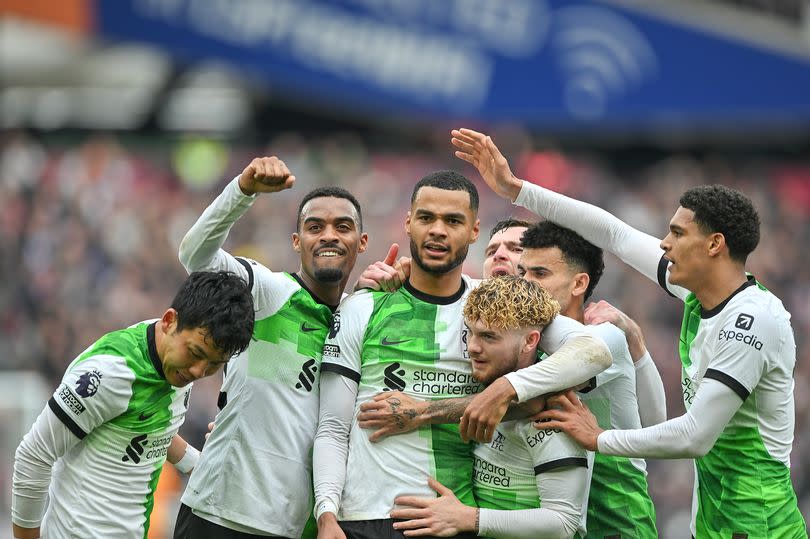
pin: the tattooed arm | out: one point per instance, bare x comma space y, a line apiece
394, 412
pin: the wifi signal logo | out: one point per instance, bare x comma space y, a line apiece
603, 56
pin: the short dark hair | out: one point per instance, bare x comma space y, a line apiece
219, 303
449, 180
727, 211
330, 191
576, 250
509, 222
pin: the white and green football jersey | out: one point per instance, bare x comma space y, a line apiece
743, 486
115, 398
619, 503
506, 469
415, 343
255, 472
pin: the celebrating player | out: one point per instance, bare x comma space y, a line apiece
255, 474
414, 340
103, 437
736, 347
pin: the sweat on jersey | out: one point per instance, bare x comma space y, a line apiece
743, 484
416, 343
116, 401
619, 503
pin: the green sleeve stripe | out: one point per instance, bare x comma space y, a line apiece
560, 463
727, 380
341, 370
64, 418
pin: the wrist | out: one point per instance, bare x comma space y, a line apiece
505, 391
189, 459
245, 187
327, 518
515, 185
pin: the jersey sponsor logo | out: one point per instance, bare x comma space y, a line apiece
392, 376
306, 378
490, 474
387, 342
331, 350
445, 383
744, 321
541, 436
689, 387
154, 449
143, 416
497, 442
749, 339
333, 330
307, 329
71, 401
88, 383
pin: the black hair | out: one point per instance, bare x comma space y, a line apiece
449, 180
331, 191
576, 250
727, 211
509, 222
219, 303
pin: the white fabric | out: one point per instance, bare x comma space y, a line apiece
188, 460
652, 401
46, 442
562, 491
682, 437
332, 441
635, 248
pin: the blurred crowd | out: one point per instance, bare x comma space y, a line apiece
89, 231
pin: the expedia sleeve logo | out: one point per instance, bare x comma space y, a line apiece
744, 321
333, 330
88, 383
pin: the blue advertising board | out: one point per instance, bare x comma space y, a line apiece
546, 63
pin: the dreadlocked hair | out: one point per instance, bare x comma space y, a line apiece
510, 302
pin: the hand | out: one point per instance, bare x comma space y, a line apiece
328, 527
24, 533
210, 430
486, 410
444, 516
386, 275
391, 412
479, 150
265, 175
602, 311
572, 417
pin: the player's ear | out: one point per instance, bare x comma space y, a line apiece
408, 224
476, 230
168, 321
296, 242
581, 282
363, 243
715, 243
531, 340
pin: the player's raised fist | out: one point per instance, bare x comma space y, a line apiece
265, 175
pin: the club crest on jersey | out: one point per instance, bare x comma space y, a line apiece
744, 321
88, 383
392, 377
464, 352
306, 378
335, 327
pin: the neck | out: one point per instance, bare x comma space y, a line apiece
575, 310
445, 284
718, 285
328, 293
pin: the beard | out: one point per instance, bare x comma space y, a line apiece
447, 267
328, 275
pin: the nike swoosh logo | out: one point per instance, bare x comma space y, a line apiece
306, 329
144, 417
386, 342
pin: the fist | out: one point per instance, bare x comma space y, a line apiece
265, 175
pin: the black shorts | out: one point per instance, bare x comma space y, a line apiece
381, 529
190, 526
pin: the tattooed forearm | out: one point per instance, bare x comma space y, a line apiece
447, 410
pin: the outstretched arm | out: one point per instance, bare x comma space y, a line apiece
635, 248
201, 246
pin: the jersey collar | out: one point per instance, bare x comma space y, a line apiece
708, 313
436, 300
152, 346
300, 281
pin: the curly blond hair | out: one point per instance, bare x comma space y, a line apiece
510, 302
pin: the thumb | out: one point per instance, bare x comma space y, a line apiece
392, 255
438, 487
404, 268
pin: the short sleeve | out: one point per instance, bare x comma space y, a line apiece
344, 343
552, 449
93, 391
748, 335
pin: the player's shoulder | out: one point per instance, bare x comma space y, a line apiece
614, 338
755, 306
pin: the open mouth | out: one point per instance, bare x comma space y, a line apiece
435, 249
328, 253
500, 271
